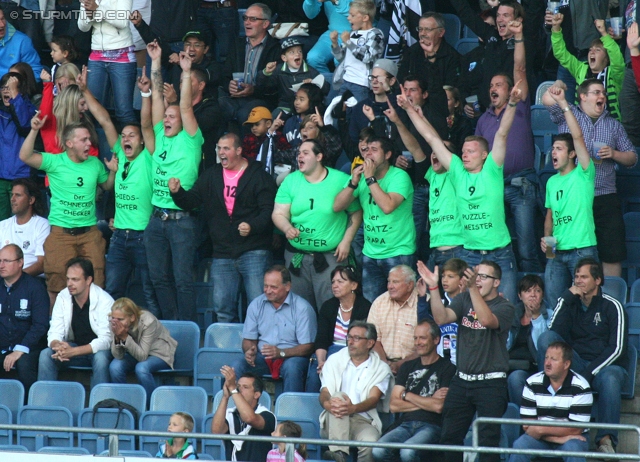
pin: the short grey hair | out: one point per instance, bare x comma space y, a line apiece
266, 11
407, 272
436, 16
371, 334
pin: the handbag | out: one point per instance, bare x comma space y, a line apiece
282, 30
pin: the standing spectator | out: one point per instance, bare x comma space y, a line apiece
458, 126
16, 47
218, 21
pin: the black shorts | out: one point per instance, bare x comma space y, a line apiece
607, 215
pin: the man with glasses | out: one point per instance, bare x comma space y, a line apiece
484, 318
354, 381
24, 318
253, 53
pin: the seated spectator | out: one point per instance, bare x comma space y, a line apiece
278, 333
140, 343
24, 318
570, 401
263, 127
178, 448
605, 61
395, 313
595, 325
419, 393
27, 228
291, 430
334, 319
308, 101
359, 49
29, 85
458, 126
337, 13
16, 47
355, 384
529, 323
246, 417
79, 334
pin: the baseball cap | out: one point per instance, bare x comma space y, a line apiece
257, 114
197, 35
290, 42
387, 65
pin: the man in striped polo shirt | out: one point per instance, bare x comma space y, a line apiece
555, 394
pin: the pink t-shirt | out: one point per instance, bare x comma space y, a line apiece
231, 178
276, 456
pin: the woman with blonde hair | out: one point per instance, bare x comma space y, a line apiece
140, 342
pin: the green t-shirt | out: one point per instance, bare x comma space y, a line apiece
133, 193
481, 204
570, 198
73, 189
321, 229
444, 219
175, 157
389, 235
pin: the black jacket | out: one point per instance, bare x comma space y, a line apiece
255, 195
327, 319
445, 70
171, 19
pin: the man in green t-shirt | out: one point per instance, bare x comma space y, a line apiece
479, 184
569, 203
170, 237
386, 197
73, 178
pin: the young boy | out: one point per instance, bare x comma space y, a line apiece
605, 62
359, 50
178, 448
264, 137
285, 78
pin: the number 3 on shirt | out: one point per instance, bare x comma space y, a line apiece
80, 181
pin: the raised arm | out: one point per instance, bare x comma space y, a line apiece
32, 159
157, 103
441, 314
97, 110
186, 105
410, 141
144, 84
519, 57
574, 127
499, 150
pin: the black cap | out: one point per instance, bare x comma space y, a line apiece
196, 34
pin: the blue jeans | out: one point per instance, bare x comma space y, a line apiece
527, 442
360, 93
220, 26
515, 383
505, 259
313, 378
48, 367
522, 203
440, 257
413, 432
171, 247
120, 78
292, 372
607, 383
558, 275
569, 81
144, 370
227, 274
376, 271
126, 253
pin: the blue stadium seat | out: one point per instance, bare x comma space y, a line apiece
130, 393
12, 396
633, 319
628, 390
265, 400
542, 88
207, 367
465, 45
154, 421
241, 12
54, 416
205, 456
468, 33
6, 417
224, 335
13, 448
615, 287
105, 418
129, 453
634, 297
59, 450
213, 448
66, 394
187, 334
304, 409
632, 230
542, 126
186, 399
453, 29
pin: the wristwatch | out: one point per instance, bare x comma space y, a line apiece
404, 395
352, 186
234, 391
282, 354
371, 180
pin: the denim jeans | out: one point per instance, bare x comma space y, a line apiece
293, 370
569, 81
375, 273
522, 203
126, 253
313, 378
515, 383
171, 247
121, 78
440, 257
413, 432
220, 26
227, 274
360, 93
558, 275
607, 383
48, 367
528, 442
144, 370
505, 259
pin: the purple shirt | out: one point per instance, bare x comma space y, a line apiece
520, 151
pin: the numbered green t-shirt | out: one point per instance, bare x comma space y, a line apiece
73, 189
570, 198
133, 189
389, 235
321, 229
481, 204
175, 157
445, 228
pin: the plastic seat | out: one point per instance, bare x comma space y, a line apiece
632, 231
70, 395
207, 367
628, 390
129, 453
213, 448
542, 126
54, 416
634, 297
615, 287
465, 45
304, 409
12, 396
452, 28
58, 450
153, 421
187, 334
6, 417
468, 33
13, 448
129, 393
633, 320
265, 400
105, 418
224, 335
186, 399
542, 88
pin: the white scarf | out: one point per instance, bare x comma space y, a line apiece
237, 444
